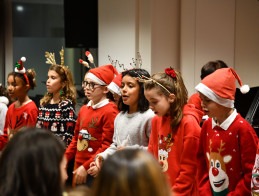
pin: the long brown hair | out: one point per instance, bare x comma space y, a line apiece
176, 86
131, 172
69, 91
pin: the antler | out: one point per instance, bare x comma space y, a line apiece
220, 149
50, 58
62, 56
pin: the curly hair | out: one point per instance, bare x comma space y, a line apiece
176, 86
30, 73
69, 91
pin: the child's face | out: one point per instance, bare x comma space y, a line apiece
159, 103
94, 91
54, 83
16, 87
130, 91
213, 109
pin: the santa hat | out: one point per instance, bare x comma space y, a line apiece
115, 85
19, 66
102, 75
220, 86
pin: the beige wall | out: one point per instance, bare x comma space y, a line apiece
184, 34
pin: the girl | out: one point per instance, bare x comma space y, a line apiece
131, 172
33, 163
23, 112
175, 130
132, 126
57, 111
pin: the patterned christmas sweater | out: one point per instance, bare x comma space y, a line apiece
93, 132
16, 118
60, 119
226, 157
255, 175
177, 152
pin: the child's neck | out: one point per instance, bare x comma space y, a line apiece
96, 101
224, 115
55, 99
133, 109
21, 101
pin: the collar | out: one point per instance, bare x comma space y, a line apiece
225, 125
98, 105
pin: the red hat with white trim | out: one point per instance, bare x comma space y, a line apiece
102, 75
19, 66
220, 86
115, 85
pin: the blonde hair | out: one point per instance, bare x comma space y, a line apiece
131, 172
69, 91
174, 85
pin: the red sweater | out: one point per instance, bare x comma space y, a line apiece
226, 158
196, 100
93, 133
17, 118
177, 152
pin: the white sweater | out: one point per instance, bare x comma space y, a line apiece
3, 109
130, 130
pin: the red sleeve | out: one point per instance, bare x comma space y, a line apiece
32, 117
153, 139
203, 171
107, 135
247, 154
185, 182
72, 148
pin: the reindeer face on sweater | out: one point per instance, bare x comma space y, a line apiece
83, 138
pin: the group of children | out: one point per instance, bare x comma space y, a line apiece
152, 114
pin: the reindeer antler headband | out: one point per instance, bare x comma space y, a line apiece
51, 58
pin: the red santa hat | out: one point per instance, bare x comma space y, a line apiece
115, 85
102, 75
19, 66
220, 86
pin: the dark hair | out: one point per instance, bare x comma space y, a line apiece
30, 164
175, 86
131, 172
143, 104
212, 66
30, 73
4, 92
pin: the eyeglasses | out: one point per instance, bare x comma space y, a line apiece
91, 85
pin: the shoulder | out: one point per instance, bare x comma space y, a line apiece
66, 103
148, 113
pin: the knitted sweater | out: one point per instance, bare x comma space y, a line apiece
93, 132
255, 175
17, 118
226, 157
177, 152
130, 130
3, 110
60, 119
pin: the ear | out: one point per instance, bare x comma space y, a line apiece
105, 90
27, 87
171, 98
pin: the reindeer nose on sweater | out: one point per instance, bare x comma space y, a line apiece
215, 171
80, 137
161, 163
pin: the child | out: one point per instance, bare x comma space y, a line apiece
132, 126
175, 130
24, 111
95, 122
4, 102
57, 111
206, 70
33, 163
131, 172
228, 143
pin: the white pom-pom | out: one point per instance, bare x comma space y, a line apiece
23, 59
244, 89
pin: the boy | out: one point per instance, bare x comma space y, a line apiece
95, 123
228, 143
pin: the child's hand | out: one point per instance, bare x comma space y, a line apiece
94, 170
121, 147
99, 162
80, 175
